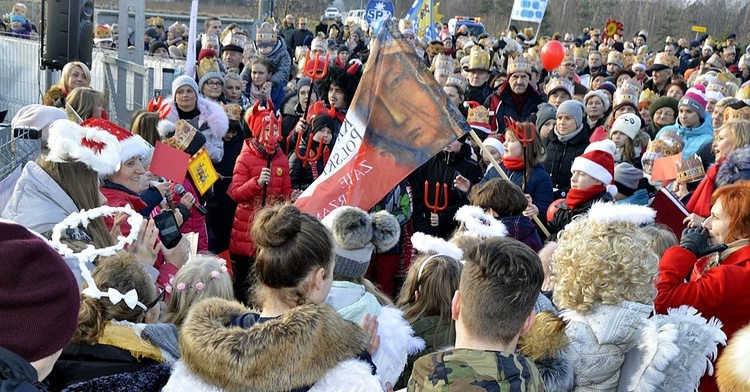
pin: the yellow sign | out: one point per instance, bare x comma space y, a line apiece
699, 29
202, 171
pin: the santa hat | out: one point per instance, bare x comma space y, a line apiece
130, 145
615, 214
96, 148
598, 161
492, 141
695, 99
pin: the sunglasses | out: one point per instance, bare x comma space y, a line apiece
158, 299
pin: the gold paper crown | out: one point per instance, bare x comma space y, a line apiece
406, 26
557, 83
615, 57
266, 35
690, 170
155, 21
519, 64
628, 60
580, 52
628, 91
233, 111
443, 64
234, 39
528, 32
664, 58
479, 59
319, 43
207, 65
743, 92
205, 38
478, 114
737, 111
647, 96
716, 61
604, 50
461, 41
457, 81
640, 59
102, 32
183, 135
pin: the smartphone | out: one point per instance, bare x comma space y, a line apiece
168, 231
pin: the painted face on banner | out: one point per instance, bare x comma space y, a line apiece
403, 121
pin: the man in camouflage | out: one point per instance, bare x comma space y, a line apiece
487, 329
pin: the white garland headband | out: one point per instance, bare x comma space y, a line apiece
115, 296
82, 218
476, 222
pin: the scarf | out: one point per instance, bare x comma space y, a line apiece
700, 202
577, 197
255, 94
519, 100
122, 335
513, 163
565, 138
260, 149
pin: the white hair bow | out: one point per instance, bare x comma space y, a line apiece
115, 296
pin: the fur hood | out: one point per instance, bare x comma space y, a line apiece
545, 344
733, 368
736, 167
53, 95
297, 349
212, 115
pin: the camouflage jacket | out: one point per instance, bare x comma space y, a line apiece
475, 370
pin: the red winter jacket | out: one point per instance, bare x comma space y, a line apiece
197, 221
720, 292
248, 195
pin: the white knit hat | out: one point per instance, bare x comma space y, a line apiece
600, 94
492, 141
598, 161
628, 123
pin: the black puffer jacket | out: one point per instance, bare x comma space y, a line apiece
302, 174
17, 375
443, 168
565, 215
559, 159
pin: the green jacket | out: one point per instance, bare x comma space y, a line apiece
469, 370
436, 336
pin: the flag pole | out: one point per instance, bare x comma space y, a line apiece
505, 176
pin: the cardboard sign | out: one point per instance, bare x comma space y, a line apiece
169, 163
665, 169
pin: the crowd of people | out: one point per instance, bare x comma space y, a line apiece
543, 269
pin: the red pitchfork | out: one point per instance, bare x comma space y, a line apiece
269, 138
309, 157
524, 133
157, 105
436, 206
314, 70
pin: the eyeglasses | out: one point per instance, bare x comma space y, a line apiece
663, 113
214, 83
569, 65
158, 299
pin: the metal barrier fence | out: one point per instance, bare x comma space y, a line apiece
23, 83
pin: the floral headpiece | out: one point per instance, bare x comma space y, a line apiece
199, 285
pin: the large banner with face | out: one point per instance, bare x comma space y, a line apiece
399, 118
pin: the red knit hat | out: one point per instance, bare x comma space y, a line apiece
598, 161
130, 145
39, 298
206, 53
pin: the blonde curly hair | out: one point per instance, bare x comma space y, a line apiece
605, 263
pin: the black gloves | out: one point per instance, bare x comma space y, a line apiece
696, 241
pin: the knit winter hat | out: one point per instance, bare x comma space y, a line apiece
151, 32
492, 141
598, 161
609, 86
321, 121
627, 123
356, 234
38, 117
627, 178
130, 145
40, 297
574, 109
695, 99
184, 80
663, 102
597, 93
156, 45
257, 117
545, 113
70, 142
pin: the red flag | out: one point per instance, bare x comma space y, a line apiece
399, 118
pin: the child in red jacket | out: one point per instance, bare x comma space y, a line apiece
260, 178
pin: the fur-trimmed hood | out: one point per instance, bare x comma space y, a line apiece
735, 168
545, 344
212, 114
297, 349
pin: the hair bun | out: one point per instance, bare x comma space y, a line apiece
275, 226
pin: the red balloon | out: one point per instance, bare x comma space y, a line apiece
552, 55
